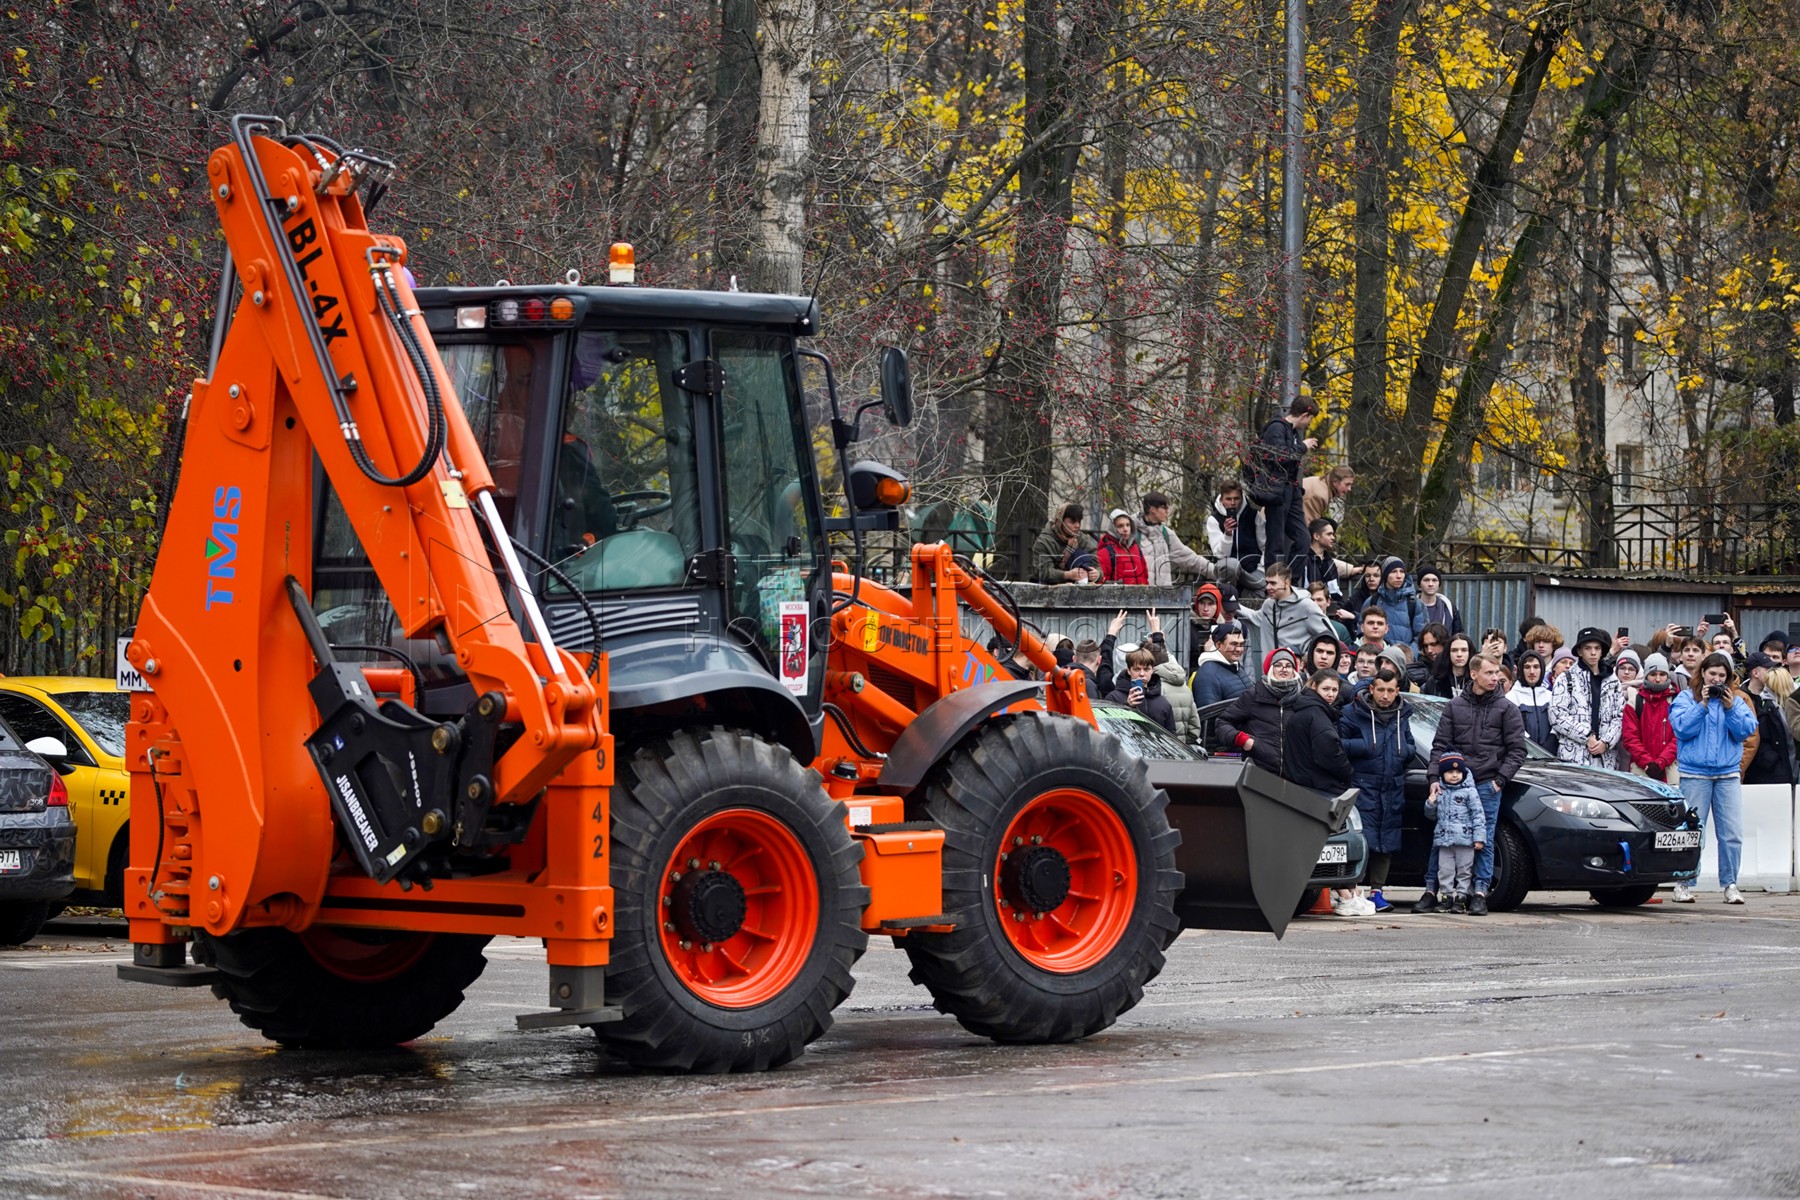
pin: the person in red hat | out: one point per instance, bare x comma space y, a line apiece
1284, 728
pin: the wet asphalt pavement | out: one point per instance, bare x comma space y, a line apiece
1557, 1051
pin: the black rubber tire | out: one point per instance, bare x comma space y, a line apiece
20, 920
1308, 898
118, 859
973, 972
1623, 897
279, 989
1513, 874
663, 790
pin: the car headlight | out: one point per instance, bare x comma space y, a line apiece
1581, 806
1355, 820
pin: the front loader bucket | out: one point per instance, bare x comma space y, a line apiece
1249, 841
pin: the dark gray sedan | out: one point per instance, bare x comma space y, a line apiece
37, 840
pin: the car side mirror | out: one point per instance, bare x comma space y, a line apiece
896, 387
52, 751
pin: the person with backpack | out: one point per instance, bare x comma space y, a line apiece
1649, 739
1231, 528
1121, 557
1272, 474
1588, 708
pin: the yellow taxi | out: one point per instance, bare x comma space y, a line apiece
87, 716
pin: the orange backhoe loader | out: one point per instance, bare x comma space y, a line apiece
551, 564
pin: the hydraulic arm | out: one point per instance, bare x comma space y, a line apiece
327, 359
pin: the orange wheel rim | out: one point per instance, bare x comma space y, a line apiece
1066, 880
739, 908
373, 957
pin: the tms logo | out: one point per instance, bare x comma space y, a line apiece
221, 546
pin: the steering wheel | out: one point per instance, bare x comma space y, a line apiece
626, 504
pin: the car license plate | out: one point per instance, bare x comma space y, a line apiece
1678, 839
1335, 853
11, 860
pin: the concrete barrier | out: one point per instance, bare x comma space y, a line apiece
1769, 842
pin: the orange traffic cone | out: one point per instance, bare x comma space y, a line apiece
1322, 906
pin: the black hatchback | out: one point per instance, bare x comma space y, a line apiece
1562, 827
37, 840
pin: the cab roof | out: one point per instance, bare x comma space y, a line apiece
52, 685
795, 315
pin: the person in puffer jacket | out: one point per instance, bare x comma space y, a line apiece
1588, 708
1532, 694
1649, 738
1712, 722
1396, 596
1377, 736
1121, 558
1461, 827
1221, 674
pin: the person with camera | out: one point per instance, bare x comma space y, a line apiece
1713, 721
1142, 688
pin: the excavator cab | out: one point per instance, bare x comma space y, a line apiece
653, 447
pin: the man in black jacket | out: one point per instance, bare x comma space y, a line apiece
1284, 728
1488, 730
1142, 690
1273, 473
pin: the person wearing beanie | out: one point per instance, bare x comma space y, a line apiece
1221, 674
1531, 693
1649, 741
1433, 603
1587, 709
1629, 671
1121, 558
1461, 831
1773, 761
1397, 599
1284, 728
1560, 663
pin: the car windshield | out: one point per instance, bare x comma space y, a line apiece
1428, 710
1142, 736
102, 715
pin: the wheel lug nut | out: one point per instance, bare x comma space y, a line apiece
713, 865
693, 864
1018, 841
706, 947
1036, 840
668, 901
675, 877
1003, 856
1037, 916
668, 927
686, 945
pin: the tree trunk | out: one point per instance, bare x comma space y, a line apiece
731, 135
1438, 346
1372, 450
783, 144
1610, 94
1020, 403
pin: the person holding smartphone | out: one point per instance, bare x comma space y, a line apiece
1713, 722
1142, 689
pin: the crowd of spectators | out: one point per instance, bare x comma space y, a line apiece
1341, 645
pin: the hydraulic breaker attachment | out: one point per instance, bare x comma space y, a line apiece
390, 771
1249, 841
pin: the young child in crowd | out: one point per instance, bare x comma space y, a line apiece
1461, 829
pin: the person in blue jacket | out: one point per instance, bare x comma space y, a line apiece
1221, 675
1378, 741
1712, 720
1397, 597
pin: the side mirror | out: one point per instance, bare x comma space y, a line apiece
896, 387
48, 747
